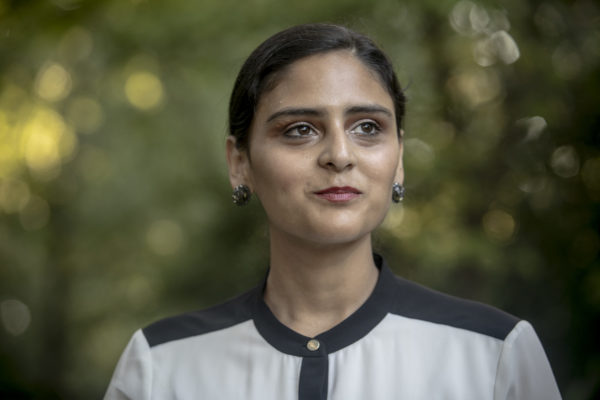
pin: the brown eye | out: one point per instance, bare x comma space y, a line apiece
303, 130
300, 131
367, 129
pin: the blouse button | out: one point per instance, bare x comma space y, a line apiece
313, 345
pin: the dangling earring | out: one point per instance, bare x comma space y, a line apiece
241, 195
398, 192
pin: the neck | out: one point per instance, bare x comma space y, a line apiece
312, 288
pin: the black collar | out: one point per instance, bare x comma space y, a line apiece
350, 330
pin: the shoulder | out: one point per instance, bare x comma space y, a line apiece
522, 362
418, 302
200, 322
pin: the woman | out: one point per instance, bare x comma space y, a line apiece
315, 124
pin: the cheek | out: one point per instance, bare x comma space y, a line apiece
273, 177
382, 166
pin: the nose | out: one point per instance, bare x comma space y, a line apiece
338, 152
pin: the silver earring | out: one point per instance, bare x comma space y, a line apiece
241, 195
398, 192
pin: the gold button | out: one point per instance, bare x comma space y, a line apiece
313, 345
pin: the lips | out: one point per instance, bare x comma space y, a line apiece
337, 194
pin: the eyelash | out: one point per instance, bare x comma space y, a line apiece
376, 128
293, 131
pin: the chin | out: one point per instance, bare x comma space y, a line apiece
323, 229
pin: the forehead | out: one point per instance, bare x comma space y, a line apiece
330, 79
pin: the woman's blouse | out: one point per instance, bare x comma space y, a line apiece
404, 342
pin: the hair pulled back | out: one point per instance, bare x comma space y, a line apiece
259, 72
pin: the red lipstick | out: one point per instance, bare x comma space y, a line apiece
337, 194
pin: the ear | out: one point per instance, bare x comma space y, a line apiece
400, 170
238, 164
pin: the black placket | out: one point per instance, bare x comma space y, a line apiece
314, 371
314, 376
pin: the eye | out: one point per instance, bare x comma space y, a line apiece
300, 131
366, 128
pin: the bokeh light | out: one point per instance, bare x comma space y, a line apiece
534, 127
46, 141
15, 315
499, 225
475, 87
53, 82
499, 46
565, 161
144, 90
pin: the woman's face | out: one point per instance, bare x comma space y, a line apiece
323, 151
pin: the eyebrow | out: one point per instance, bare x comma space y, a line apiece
313, 112
368, 109
296, 112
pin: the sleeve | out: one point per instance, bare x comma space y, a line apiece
524, 372
132, 379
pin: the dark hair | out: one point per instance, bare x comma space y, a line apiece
282, 49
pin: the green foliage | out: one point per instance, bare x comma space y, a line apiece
115, 205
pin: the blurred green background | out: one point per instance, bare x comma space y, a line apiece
115, 205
